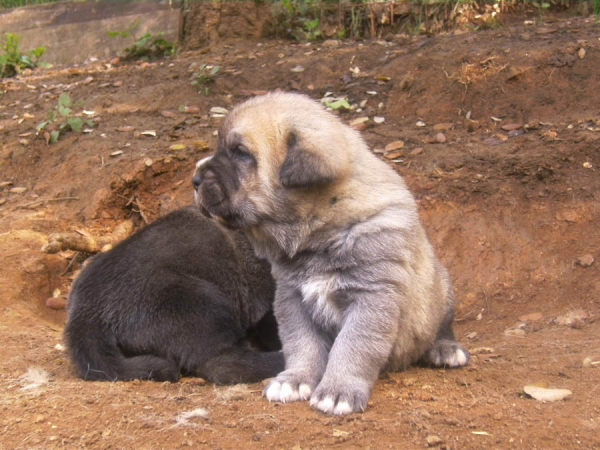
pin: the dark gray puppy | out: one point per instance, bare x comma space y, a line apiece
182, 296
359, 288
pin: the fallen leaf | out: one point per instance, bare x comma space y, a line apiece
169, 114
218, 110
177, 147
340, 433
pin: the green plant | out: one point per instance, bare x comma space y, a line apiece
312, 29
147, 47
205, 75
12, 61
61, 119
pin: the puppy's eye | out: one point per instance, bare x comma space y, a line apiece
241, 153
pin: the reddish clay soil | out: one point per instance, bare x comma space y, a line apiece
510, 198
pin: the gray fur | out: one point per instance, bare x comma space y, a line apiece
359, 288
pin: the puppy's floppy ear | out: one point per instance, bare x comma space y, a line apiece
304, 167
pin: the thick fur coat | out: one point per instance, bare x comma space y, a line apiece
182, 296
359, 288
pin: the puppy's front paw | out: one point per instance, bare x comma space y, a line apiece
288, 388
447, 353
344, 398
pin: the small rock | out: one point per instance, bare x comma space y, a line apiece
297, 69
492, 141
533, 125
331, 43
587, 165
545, 394
512, 126
471, 125
18, 190
581, 53
396, 145
420, 123
433, 440
472, 335
88, 80
416, 151
39, 418
118, 84
56, 303
443, 126
517, 332
533, 317
125, 129
585, 260
394, 154
378, 119
441, 138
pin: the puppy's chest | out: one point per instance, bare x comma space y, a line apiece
321, 294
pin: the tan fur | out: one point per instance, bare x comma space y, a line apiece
348, 252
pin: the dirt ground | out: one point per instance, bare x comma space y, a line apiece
501, 146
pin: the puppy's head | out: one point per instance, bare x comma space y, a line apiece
271, 149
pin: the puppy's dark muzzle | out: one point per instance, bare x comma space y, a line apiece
196, 182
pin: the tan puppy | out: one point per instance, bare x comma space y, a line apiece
359, 289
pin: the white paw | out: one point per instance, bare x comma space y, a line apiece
458, 359
328, 406
286, 393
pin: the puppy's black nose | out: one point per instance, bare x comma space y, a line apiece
196, 182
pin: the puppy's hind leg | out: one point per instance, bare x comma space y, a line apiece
446, 351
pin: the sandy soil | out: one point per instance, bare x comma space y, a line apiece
501, 133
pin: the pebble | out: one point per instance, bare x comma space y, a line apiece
331, 43
518, 332
396, 145
56, 303
585, 260
433, 440
416, 151
581, 53
471, 125
545, 394
420, 123
18, 190
512, 126
378, 119
441, 138
443, 126
533, 317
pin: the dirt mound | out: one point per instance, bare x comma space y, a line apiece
499, 131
